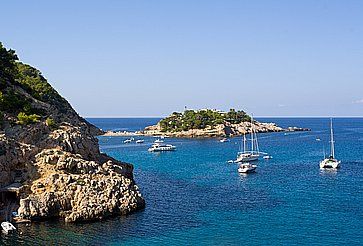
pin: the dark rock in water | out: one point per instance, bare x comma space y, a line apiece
56, 153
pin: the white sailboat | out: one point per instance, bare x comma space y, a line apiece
330, 162
254, 153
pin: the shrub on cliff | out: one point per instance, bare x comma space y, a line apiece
24, 119
11, 101
50, 123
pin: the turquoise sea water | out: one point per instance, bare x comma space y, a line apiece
194, 197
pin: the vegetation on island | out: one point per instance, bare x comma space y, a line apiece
201, 119
14, 74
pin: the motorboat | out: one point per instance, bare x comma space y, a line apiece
267, 157
159, 141
223, 140
7, 226
129, 140
157, 147
140, 141
246, 168
330, 162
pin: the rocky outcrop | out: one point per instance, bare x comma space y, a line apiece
79, 190
221, 130
55, 157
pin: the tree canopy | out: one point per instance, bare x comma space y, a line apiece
15, 78
200, 119
7, 65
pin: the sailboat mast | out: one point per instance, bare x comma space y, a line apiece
252, 144
257, 148
244, 142
331, 138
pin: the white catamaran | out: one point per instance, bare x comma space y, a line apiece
330, 162
254, 153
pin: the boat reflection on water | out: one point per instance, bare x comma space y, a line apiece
328, 172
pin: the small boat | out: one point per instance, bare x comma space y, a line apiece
157, 147
159, 141
230, 161
330, 162
128, 140
267, 157
7, 226
140, 141
318, 139
223, 140
247, 168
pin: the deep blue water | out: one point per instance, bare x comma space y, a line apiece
195, 197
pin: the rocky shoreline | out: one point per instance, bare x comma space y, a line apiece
50, 162
222, 130
61, 174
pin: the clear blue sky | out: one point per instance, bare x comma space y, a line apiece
149, 58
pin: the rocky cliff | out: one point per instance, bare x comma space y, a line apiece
52, 154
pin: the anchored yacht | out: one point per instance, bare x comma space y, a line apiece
254, 153
157, 147
247, 168
330, 162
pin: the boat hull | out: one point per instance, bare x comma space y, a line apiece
247, 157
330, 163
249, 169
161, 149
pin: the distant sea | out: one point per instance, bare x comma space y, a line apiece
194, 197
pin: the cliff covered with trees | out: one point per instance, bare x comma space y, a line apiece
51, 155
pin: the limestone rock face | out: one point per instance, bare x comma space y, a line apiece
66, 176
58, 165
79, 190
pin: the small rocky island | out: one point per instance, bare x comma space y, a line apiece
210, 123
50, 162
